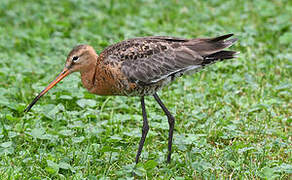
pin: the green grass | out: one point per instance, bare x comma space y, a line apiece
233, 120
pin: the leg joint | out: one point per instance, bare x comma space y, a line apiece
145, 128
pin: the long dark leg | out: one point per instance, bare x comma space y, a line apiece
170, 122
145, 129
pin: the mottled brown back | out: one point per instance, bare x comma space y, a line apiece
148, 60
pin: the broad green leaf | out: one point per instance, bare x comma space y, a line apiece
6, 144
286, 38
78, 139
66, 132
52, 167
86, 102
38, 133
150, 164
64, 165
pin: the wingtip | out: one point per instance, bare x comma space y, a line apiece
235, 55
220, 38
230, 41
229, 35
233, 40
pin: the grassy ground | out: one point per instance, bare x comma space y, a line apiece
233, 120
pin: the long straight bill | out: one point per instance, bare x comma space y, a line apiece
63, 74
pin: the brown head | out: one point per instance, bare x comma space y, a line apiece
81, 58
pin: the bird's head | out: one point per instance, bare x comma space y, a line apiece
81, 58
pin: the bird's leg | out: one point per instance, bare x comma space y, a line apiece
145, 129
171, 121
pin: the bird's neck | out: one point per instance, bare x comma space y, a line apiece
97, 80
88, 74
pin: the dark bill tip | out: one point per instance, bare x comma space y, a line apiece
32, 103
63, 74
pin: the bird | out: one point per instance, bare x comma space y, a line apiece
141, 67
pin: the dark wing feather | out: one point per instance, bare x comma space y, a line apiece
168, 38
160, 63
150, 59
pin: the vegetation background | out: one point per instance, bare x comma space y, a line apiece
233, 120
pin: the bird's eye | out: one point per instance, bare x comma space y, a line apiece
75, 58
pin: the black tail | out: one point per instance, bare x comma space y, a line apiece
210, 46
220, 38
219, 56
218, 44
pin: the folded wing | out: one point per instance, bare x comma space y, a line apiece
151, 59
